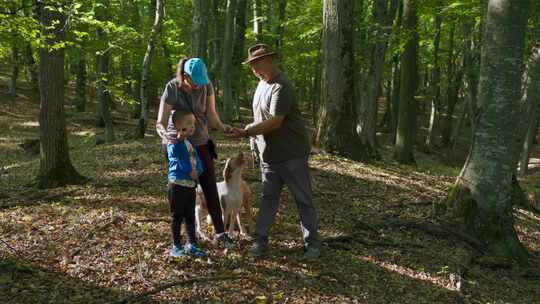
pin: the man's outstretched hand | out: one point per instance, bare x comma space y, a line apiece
237, 133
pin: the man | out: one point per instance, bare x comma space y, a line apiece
282, 142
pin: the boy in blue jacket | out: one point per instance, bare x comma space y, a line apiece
184, 170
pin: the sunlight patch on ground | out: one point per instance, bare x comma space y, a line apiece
29, 124
445, 283
84, 133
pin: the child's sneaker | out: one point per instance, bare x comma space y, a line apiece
194, 249
177, 251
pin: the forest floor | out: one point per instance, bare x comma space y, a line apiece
107, 241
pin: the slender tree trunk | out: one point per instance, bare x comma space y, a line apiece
55, 168
280, 28
470, 67
485, 213
199, 28
257, 29
532, 101
396, 72
451, 88
238, 55
215, 50
80, 86
406, 130
33, 76
434, 117
367, 118
226, 71
337, 116
103, 93
103, 76
145, 79
14, 72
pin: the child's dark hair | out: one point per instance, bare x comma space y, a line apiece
179, 115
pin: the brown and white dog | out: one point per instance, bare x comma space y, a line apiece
234, 194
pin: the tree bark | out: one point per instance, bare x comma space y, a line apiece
226, 69
485, 213
103, 60
199, 28
215, 50
532, 100
238, 55
257, 29
80, 86
434, 117
55, 168
280, 27
14, 72
367, 119
406, 129
337, 117
33, 72
145, 78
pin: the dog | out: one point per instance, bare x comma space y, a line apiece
234, 194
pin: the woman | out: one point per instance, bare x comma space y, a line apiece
191, 90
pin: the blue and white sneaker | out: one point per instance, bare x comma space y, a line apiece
177, 251
194, 249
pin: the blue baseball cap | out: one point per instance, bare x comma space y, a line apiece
196, 69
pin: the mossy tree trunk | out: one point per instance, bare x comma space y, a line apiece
481, 199
55, 168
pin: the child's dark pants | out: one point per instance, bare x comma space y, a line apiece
182, 205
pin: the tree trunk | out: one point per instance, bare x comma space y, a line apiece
238, 55
434, 117
532, 102
280, 28
450, 90
145, 78
103, 93
257, 29
406, 129
367, 119
337, 117
470, 67
103, 60
33, 73
199, 28
215, 50
485, 213
14, 72
80, 86
55, 168
226, 70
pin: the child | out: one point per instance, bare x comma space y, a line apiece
184, 170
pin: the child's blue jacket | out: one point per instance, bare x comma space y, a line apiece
179, 162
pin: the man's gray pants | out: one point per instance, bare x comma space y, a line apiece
295, 174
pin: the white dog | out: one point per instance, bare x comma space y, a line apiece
234, 193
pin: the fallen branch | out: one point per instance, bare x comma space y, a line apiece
138, 297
